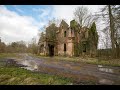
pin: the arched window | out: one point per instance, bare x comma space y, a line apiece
64, 47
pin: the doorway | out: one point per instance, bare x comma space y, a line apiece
51, 50
84, 47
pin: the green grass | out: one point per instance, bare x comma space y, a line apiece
19, 76
113, 62
6, 55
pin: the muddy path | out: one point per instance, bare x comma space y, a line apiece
80, 72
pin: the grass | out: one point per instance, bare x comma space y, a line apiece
6, 55
96, 61
20, 76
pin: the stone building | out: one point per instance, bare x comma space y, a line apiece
67, 40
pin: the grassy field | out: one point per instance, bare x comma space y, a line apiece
20, 76
7, 55
114, 62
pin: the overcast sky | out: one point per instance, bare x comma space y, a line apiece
23, 22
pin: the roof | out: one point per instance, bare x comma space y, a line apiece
64, 23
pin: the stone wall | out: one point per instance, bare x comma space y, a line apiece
74, 41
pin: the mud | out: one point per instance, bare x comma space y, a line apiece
80, 72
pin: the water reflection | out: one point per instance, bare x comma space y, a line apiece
106, 82
100, 65
29, 65
104, 69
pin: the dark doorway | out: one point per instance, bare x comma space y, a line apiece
65, 34
84, 47
51, 50
64, 47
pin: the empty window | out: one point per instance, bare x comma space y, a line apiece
64, 47
71, 31
64, 33
84, 47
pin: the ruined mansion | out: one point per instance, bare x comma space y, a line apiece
68, 40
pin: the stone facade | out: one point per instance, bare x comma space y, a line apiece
68, 41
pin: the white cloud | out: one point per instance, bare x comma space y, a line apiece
63, 12
66, 11
14, 27
43, 15
43, 12
19, 10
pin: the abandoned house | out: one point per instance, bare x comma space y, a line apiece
68, 40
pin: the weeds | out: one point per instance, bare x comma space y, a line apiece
114, 62
19, 76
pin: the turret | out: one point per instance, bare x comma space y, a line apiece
73, 24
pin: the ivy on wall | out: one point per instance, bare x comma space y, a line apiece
90, 42
93, 39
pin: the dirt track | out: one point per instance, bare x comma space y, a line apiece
80, 72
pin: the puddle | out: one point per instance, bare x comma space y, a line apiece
100, 65
105, 69
25, 62
29, 65
28, 68
106, 82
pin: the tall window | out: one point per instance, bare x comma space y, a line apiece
64, 47
84, 47
64, 33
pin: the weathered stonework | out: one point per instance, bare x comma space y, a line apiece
68, 41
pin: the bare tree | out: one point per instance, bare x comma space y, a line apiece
84, 17
111, 16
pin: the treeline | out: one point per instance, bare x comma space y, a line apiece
19, 47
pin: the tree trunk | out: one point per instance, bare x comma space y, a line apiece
112, 30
